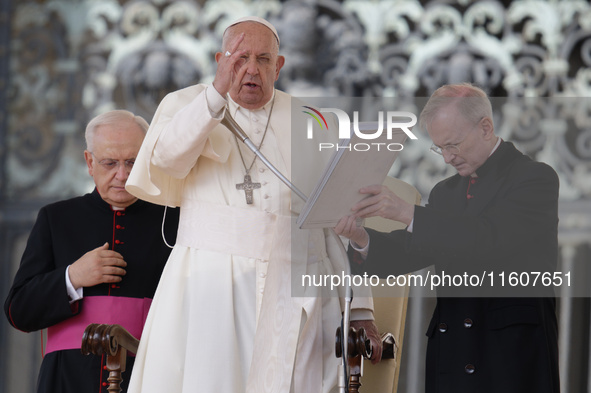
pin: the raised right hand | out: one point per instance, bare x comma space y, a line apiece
228, 66
98, 266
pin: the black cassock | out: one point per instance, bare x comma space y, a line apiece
65, 231
481, 339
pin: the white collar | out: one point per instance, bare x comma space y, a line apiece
234, 107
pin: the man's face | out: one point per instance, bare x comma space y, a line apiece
258, 69
465, 144
114, 152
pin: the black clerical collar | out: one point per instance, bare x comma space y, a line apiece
492, 160
96, 196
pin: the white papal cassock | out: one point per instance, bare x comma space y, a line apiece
223, 318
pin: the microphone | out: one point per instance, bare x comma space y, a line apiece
231, 125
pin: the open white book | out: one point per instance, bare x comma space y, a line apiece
357, 163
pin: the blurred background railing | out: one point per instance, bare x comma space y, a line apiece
64, 61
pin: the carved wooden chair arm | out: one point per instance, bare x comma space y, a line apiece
360, 346
113, 341
105, 339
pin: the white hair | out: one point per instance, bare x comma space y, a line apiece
471, 102
112, 117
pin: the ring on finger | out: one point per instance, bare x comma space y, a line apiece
227, 54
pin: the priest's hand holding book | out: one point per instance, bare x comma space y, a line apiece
380, 202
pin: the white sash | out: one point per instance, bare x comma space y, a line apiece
227, 229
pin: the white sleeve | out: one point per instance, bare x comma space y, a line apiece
363, 251
409, 228
74, 294
215, 101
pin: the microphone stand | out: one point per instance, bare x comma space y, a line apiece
231, 124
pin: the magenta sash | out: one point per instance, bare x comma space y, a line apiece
128, 312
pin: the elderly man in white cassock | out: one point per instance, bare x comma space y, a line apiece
223, 318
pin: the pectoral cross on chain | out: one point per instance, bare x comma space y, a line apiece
248, 186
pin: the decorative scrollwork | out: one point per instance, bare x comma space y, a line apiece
130, 54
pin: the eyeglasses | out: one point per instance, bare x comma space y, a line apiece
451, 149
110, 164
